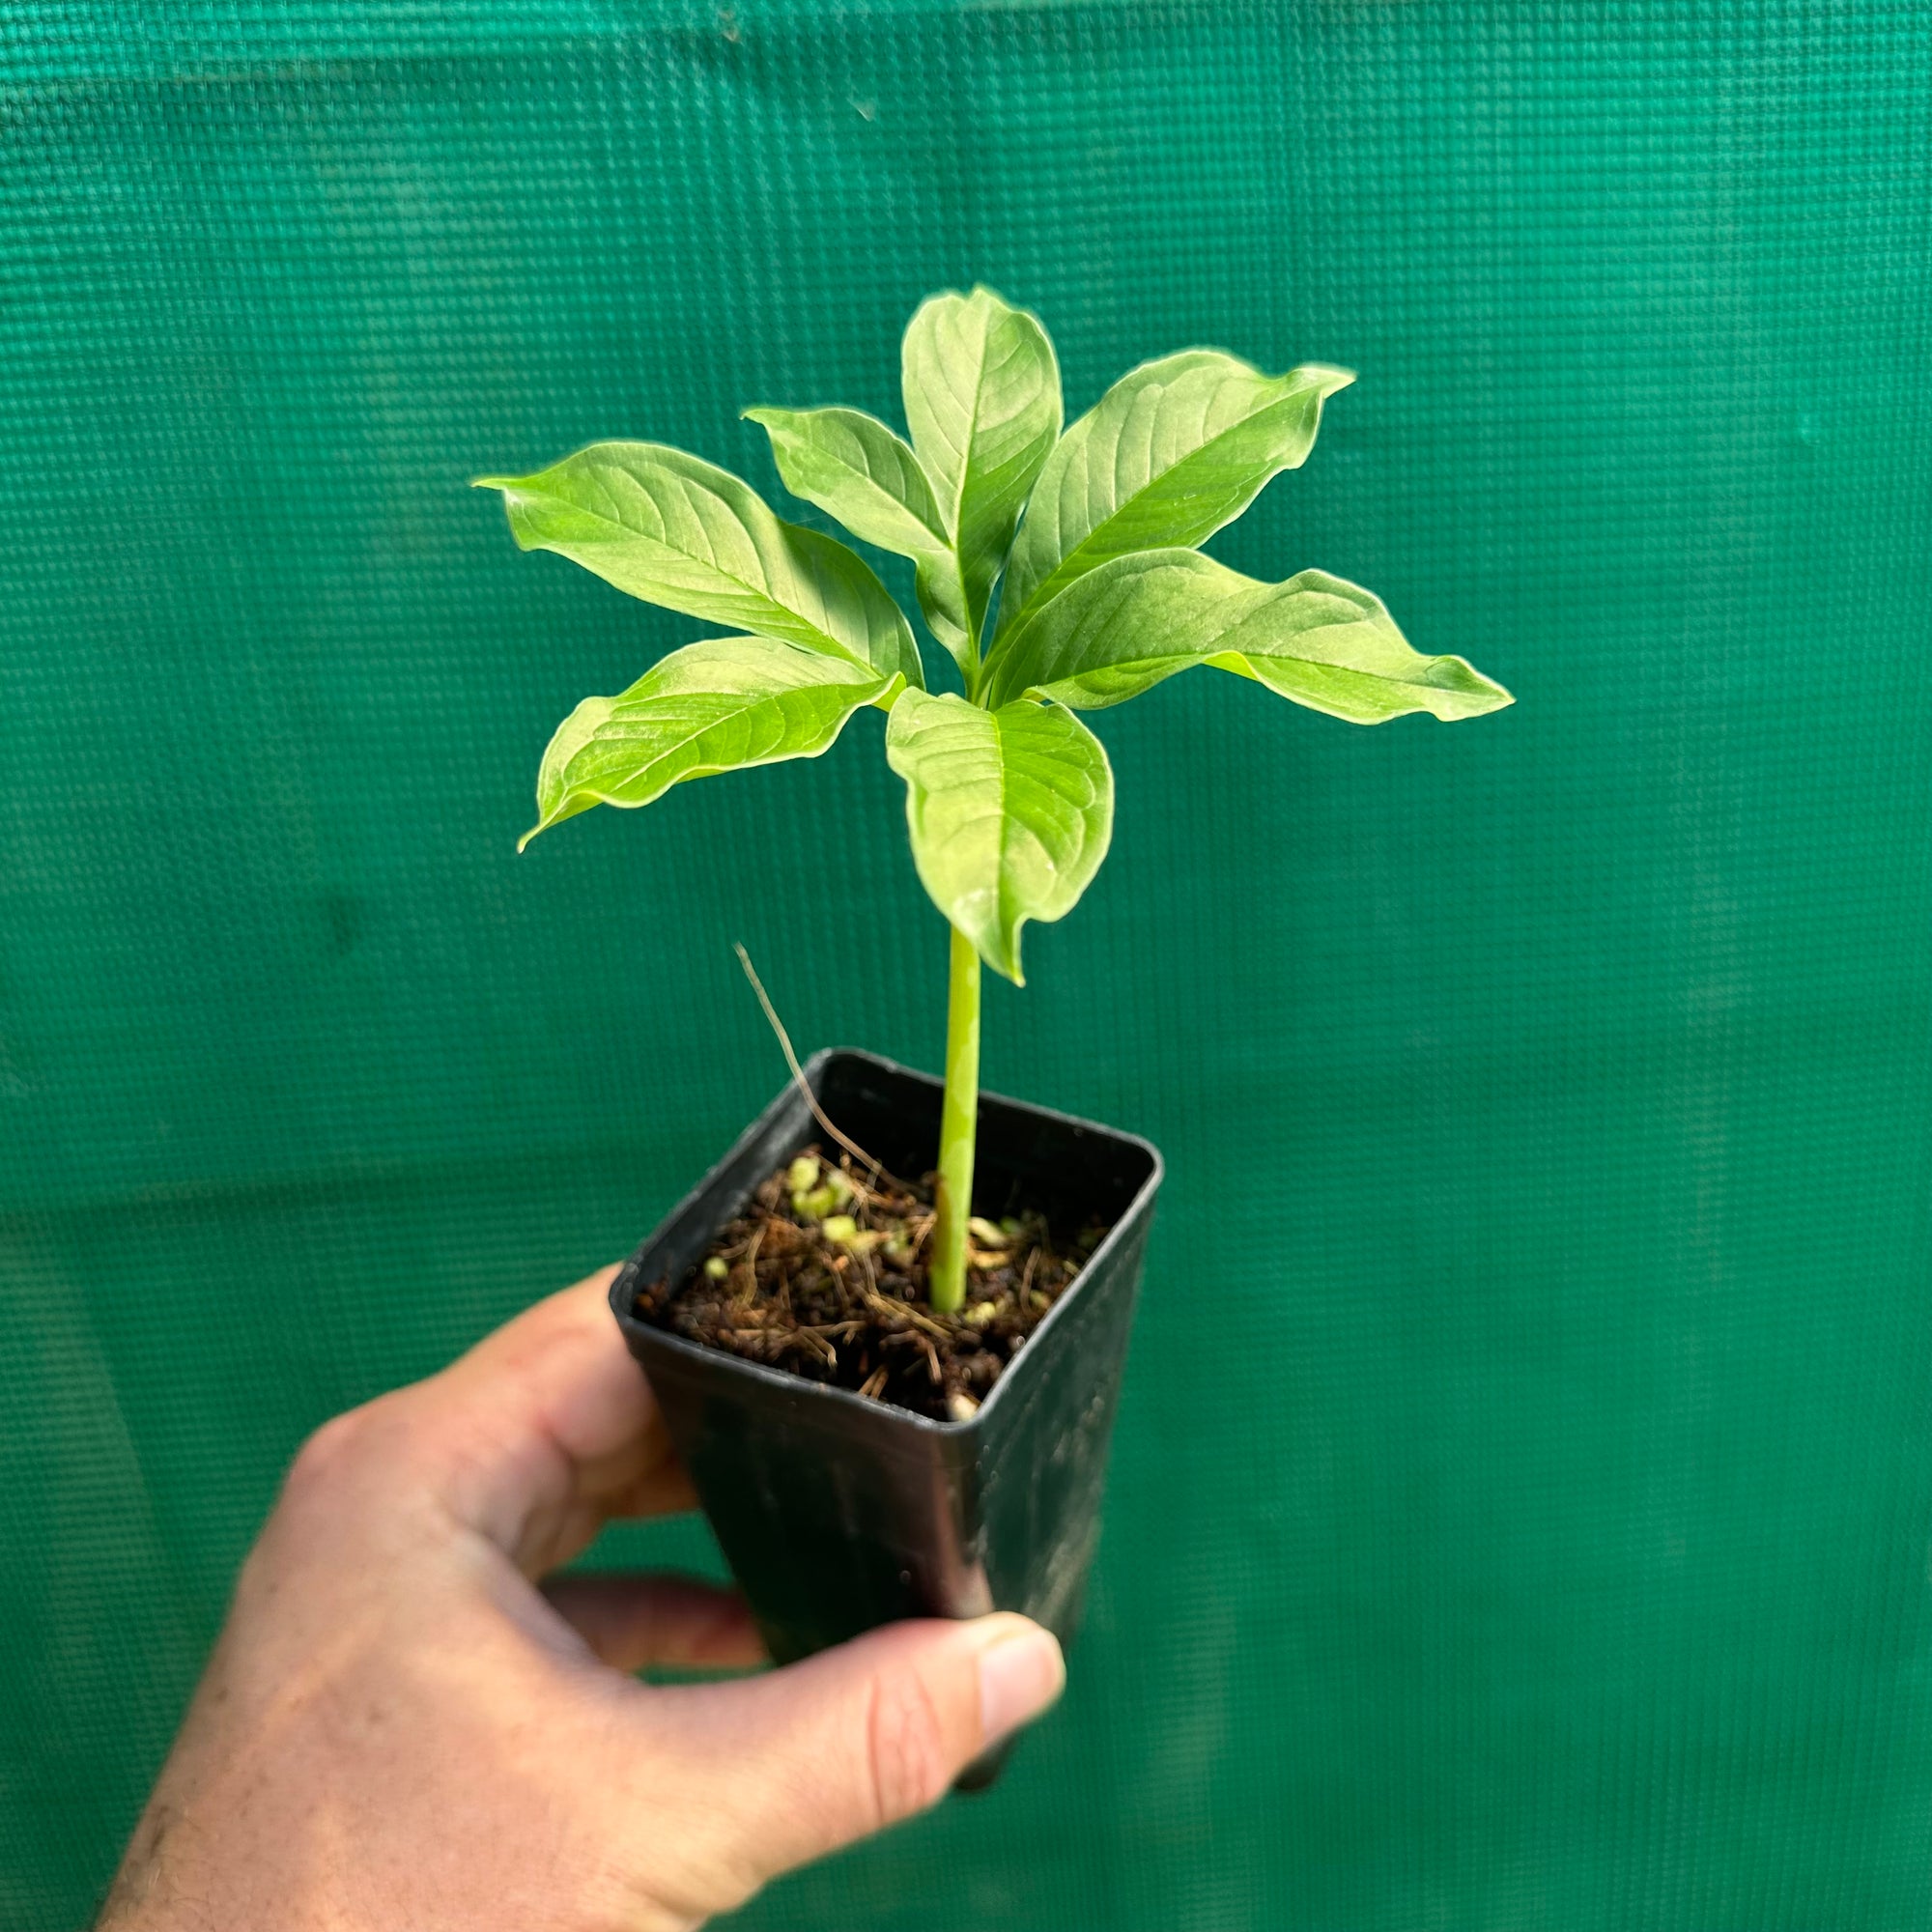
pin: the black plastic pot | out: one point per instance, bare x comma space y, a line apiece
838, 1512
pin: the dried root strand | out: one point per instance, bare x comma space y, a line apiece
825, 1279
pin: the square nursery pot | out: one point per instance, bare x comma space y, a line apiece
838, 1512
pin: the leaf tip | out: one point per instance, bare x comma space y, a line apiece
555, 815
1480, 695
1001, 951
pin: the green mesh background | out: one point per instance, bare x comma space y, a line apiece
1522, 1508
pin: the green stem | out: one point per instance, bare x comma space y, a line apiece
958, 1126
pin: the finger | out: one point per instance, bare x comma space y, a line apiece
630, 1622
801, 1761
546, 1429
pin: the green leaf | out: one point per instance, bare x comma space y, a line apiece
1322, 642
982, 401
1171, 453
853, 467
715, 706
1011, 812
678, 531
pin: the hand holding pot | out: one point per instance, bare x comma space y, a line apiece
398, 1727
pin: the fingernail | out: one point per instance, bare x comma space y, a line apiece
1020, 1674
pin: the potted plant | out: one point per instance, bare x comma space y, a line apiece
886, 1330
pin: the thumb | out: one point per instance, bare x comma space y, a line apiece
809, 1758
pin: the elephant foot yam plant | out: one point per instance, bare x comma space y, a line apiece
1062, 571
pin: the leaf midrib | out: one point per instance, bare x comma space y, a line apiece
678, 745
871, 482
966, 453
763, 594
1044, 592
1008, 935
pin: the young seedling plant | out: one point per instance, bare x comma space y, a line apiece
1062, 572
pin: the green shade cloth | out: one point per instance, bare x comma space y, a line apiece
1520, 1517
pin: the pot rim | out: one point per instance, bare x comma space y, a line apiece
622, 1291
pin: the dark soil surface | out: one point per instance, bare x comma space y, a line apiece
825, 1275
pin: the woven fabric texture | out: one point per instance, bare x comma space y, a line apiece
1519, 1516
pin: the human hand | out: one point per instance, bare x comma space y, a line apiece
399, 1728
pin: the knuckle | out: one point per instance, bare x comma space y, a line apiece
906, 1745
349, 1504
319, 1462
345, 1460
